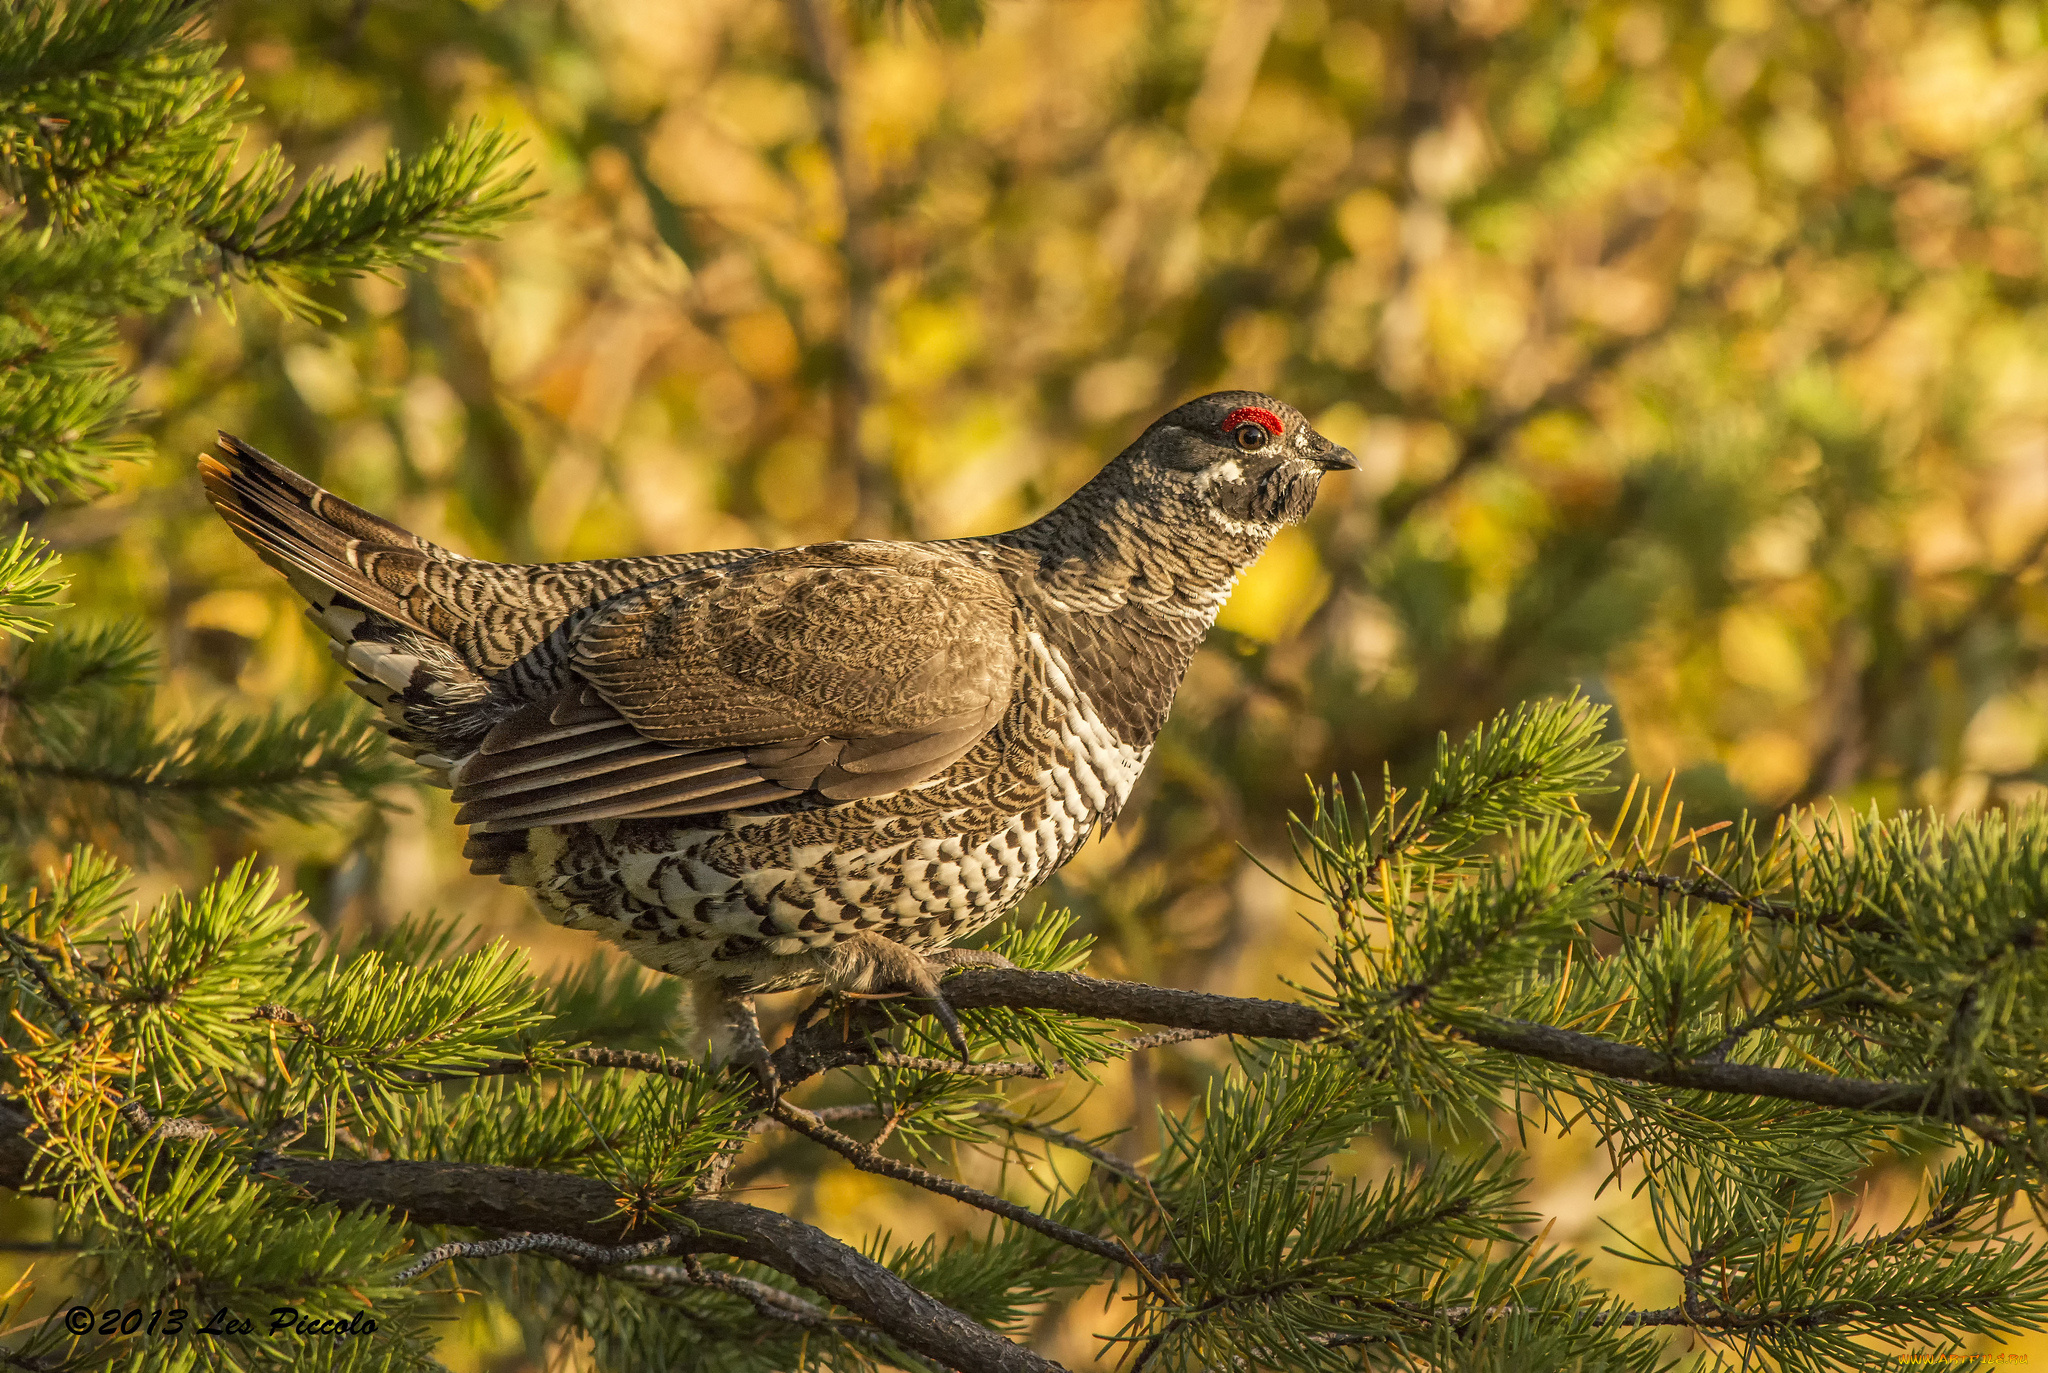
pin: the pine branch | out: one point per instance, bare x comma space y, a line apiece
163, 1127
842, 1040
1690, 1316
29, 585
772, 1303
598, 1057
1066, 1139
120, 153
552, 1056
42, 43
1526, 765
1711, 890
112, 769
77, 667
561, 1246
512, 1200
869, 1160
769, 1303
140, 264
994, 1070
821, 1046
580, 1211
999, 1069
61, 420
1607, 1058
1091, 997
998, 1115
25, 954
408, 213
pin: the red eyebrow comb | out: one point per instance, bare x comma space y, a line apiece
1266, 419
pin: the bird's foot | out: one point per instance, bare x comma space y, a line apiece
878, 966
735, 1035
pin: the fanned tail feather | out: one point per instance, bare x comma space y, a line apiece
364, 580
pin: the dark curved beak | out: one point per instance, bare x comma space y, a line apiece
1335, 459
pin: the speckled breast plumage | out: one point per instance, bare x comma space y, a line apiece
760, 896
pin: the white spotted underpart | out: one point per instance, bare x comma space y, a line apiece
776, 923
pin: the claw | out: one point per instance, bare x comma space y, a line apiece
770, 1080
737, 1036
947, 960
881, 965
951, 1022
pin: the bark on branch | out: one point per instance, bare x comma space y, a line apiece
514, 1200
1606, 1058
840, 1039
837, 1041
517, 1200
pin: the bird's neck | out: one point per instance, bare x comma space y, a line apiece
1105, 551
1121, 598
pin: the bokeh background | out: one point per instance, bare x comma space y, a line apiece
1696, 356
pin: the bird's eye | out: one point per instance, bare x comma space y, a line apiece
1252, 436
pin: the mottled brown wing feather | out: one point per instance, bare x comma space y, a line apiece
845, 670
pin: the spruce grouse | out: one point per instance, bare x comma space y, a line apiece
762, 769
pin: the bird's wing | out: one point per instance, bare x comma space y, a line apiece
843, 670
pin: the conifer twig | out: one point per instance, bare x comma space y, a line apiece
595, 1056
560, 1246
870, 1161
989, 1110
1766, 1018
284, 1015
865, 1110
1066, 1139
994, 1068
1257, 1018
20, 948
163, 1127
1712, 890
1193, 1014
838, 1042
1609, 1058
821, 1047
586, 1055
1160, 1038
523, 1200
770, 1303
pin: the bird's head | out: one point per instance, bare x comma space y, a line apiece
1236, 460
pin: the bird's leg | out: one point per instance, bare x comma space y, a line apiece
725, 1017
866, 962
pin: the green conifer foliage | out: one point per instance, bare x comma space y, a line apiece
233, 1110
1746, 1020
118, 160
122, 191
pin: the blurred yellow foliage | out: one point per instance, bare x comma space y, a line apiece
1281, 591
1693, 354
